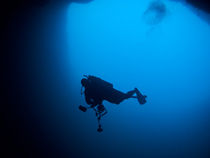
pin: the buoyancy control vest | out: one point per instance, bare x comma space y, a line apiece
98, 82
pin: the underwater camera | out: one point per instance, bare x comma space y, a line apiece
99, 129
82, 108
100, 111
100, 108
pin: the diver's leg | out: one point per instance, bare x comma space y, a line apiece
130, 94
116, 97
127, 95
133, 97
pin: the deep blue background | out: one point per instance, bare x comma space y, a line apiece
50, 48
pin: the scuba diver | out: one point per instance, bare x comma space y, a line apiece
98, 90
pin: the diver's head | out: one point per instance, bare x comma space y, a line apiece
84, 82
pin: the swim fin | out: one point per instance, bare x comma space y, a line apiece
140, 97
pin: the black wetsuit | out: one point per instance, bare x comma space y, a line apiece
95, 95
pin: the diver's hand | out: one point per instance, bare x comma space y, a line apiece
93, 105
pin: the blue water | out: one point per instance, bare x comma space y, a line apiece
161, 49
168, 60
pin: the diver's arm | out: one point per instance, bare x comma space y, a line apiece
90, 101
105, 112
93, 105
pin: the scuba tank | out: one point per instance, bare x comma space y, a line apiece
98, 82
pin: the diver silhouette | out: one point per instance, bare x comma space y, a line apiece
98, 90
